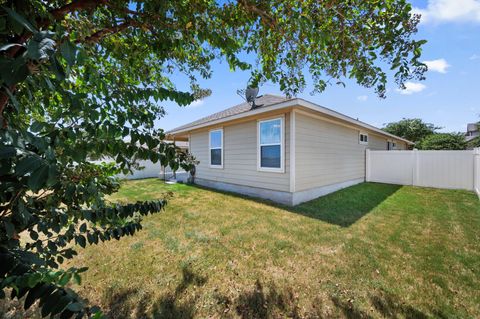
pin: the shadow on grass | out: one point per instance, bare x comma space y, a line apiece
261, 303
342, 208
346, 206
131, 303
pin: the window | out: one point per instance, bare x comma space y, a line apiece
391, 145
363, 138
216, 148
270, 145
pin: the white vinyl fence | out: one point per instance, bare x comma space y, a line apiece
150, 169
440, 169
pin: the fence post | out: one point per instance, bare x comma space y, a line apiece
415, 167
476, 172
367, 165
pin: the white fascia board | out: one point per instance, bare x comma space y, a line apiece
291, 103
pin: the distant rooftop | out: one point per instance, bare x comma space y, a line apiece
472, 127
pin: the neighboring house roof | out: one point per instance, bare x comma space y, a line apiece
266, 103
472, 127
472, 131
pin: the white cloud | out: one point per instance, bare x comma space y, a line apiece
362, 98
474, 57
439, 65
412, 87
196, 103
438, 11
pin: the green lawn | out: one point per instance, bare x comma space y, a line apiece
371, 250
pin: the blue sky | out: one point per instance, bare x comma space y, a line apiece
449, 97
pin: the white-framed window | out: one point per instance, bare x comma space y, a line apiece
271, 137
215, 145
363, 138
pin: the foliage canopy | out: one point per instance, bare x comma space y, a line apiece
411, 129
443, 141
80, 76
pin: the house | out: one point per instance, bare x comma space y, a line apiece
286, 150
472, 131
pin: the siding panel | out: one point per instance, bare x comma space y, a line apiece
240, 157
328, 153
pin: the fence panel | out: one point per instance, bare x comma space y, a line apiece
393, 167
440, 169
445, 169
476, 171
150, 169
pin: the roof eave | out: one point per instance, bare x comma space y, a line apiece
290, 103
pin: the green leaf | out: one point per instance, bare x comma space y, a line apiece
28, 164
7, 152
38, 178
60, 305
56, 68
98, 314
34, 279
82, 269
20, 19
68, 51
52, 175
36, 126
33, 294
9, 228
50, 302
77, 278
33, 235
75, 307
80, 240
65, 279
11, 96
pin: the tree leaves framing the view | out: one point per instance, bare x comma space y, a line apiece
84, 80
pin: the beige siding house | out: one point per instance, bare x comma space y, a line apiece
286, 150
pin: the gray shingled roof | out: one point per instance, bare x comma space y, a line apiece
261, 101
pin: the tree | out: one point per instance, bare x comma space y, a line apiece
443, 141
188, 162
84, 79
411, 129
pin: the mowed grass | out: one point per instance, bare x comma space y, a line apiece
368, 251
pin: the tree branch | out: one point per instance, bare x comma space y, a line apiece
100, 34
261, 13
76, 5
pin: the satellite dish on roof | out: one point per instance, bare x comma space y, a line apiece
251, 95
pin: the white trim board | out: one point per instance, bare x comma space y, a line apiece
292, 150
